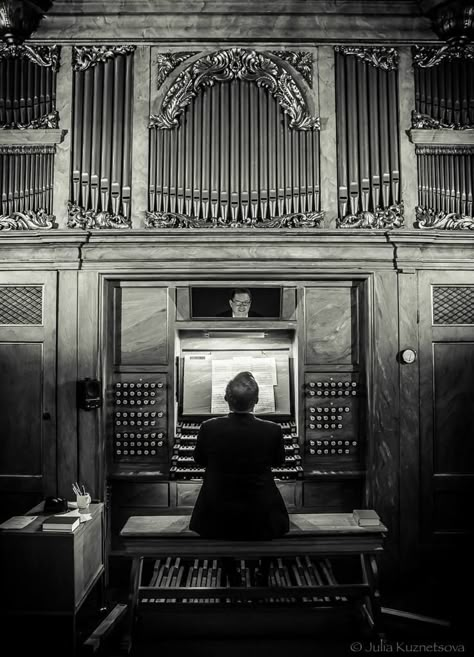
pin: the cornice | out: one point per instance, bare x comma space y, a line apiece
236, 21
209, 252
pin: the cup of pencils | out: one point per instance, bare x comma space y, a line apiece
83, 499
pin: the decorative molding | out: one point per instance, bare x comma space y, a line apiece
429, 219
300, 60
175, 220
47, 121
28, 220
428, 56
84, 57
26, 149
441, 137
168, 61
47, 56
79, 217
424, 121
235, 63
378, 56
444, 150
391, 217
39, 137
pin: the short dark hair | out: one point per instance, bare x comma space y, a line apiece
240, 290
241, 392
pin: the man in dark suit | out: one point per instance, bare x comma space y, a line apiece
239, 498
240, 301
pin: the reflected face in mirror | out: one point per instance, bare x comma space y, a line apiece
240, 304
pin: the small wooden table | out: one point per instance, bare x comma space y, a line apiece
321, 535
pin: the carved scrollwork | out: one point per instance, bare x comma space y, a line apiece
168, 61
171, 220
429, 219
79, 217
425, 121
50, 120
300, 60
28, 220
84, 57
227, 65
378, 56
459, 149
175, 220
427, 56
386, 218
27, 149
47, 56
296, 220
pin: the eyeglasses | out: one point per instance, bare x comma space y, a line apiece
241, 303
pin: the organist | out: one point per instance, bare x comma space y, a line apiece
239, 498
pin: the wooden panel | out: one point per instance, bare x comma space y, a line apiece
141, 326
453, 510
331, 324
288, 492
28, 400
332, 496
186, 493
288, 303
409, 421
21, 379
134, 494
383, 459
453, 366
66, 382
90, 456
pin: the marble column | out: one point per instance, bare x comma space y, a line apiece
62, 160
141, 113
328, 145
408, 163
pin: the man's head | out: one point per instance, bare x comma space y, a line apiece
240, 302
241, 392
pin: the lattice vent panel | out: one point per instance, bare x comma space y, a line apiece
453, 305
21, 304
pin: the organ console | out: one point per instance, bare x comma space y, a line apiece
166, 377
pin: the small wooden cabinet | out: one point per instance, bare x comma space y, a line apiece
51, 573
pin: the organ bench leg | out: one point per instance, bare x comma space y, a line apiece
372, 605
135, 579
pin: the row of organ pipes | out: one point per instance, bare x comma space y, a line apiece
445, 92
234, 156
102, 130
367, 133
26, 182
445, 182
28, 91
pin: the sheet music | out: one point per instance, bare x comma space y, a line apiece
264, 372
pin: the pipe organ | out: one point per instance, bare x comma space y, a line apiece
213, 165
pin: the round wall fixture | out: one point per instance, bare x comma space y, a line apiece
408, 356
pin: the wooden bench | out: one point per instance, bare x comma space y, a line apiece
318, 536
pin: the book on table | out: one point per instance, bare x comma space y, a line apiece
61, 523
366, 517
